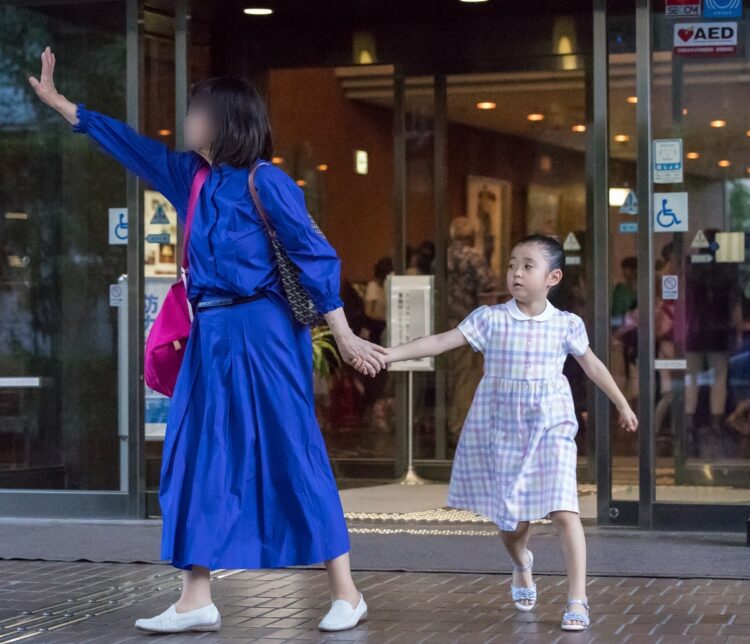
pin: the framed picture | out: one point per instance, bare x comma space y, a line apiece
488, 208
542, 210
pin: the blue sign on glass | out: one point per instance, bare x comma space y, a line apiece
722, 8
628, 227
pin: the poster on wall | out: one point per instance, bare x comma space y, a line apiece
485, 209
156, 405
160, 229
542, 210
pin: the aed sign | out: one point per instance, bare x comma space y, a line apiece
705, 38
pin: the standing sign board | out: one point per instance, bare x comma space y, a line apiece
409, 307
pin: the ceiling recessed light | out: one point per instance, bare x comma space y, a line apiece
622, 138
258, 11
486, 105
165, 132
632, 100
725, 163
579, 127
718, 123
693, 155
684, 111
277, 160
322, 167
473, 1
535, 117
747, 133
301, 183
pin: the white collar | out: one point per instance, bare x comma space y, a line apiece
518, 314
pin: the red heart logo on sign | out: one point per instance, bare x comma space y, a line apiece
685, 34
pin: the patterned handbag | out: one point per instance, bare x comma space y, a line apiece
303, 308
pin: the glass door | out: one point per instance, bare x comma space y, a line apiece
700, 202
678, 165
59, 424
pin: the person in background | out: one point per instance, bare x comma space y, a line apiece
375, 298
625, 293
468, 276
422, 261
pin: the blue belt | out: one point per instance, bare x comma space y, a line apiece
229, 301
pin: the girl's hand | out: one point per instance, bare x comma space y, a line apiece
47, 92
364, 356
628, 420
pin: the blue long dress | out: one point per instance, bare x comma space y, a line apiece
245, 478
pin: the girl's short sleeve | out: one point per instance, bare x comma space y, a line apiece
477, 327
576, 340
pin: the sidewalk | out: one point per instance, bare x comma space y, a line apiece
78, 602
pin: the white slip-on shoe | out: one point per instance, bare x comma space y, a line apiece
342, 616
205, 618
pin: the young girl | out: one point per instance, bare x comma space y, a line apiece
516, 457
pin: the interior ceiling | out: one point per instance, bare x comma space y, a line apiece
711, 90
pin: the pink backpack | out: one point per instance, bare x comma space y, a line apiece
168, 336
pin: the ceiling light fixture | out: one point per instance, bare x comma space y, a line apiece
725, 163
718, 123
322, 167
486, 105
165, 132
277, 160
632, 100
535, 117
579, 127
693, 155
622, 138
258, 11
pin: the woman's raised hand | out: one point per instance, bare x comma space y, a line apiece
45, 88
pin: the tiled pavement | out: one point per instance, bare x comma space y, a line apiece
98, 602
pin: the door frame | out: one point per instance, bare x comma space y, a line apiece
647, 512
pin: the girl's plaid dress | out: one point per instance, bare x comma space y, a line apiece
516, 458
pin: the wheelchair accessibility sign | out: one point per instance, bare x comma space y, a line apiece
670, 212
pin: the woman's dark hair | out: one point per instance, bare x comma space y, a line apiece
241, 118
552, 249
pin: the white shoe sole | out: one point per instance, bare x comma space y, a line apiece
344, 628
197, 627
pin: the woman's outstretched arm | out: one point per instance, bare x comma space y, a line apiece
170, 172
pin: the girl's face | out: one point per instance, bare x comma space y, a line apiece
529, 276
199, 128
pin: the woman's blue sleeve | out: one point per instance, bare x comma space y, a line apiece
307, 248
169, 172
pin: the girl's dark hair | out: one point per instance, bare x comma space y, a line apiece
553, 249
241, 118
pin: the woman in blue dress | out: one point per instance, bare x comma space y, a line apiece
245, 478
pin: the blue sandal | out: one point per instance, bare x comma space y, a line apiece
519, 593
572, 616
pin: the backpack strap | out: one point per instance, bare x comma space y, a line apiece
195, 189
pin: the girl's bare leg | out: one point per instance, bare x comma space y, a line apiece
573, 543
516, 544
340, 580
196, 589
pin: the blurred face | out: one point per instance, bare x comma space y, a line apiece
199, 128
529, 277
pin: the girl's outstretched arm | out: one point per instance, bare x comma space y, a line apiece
600, 376
428, 346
